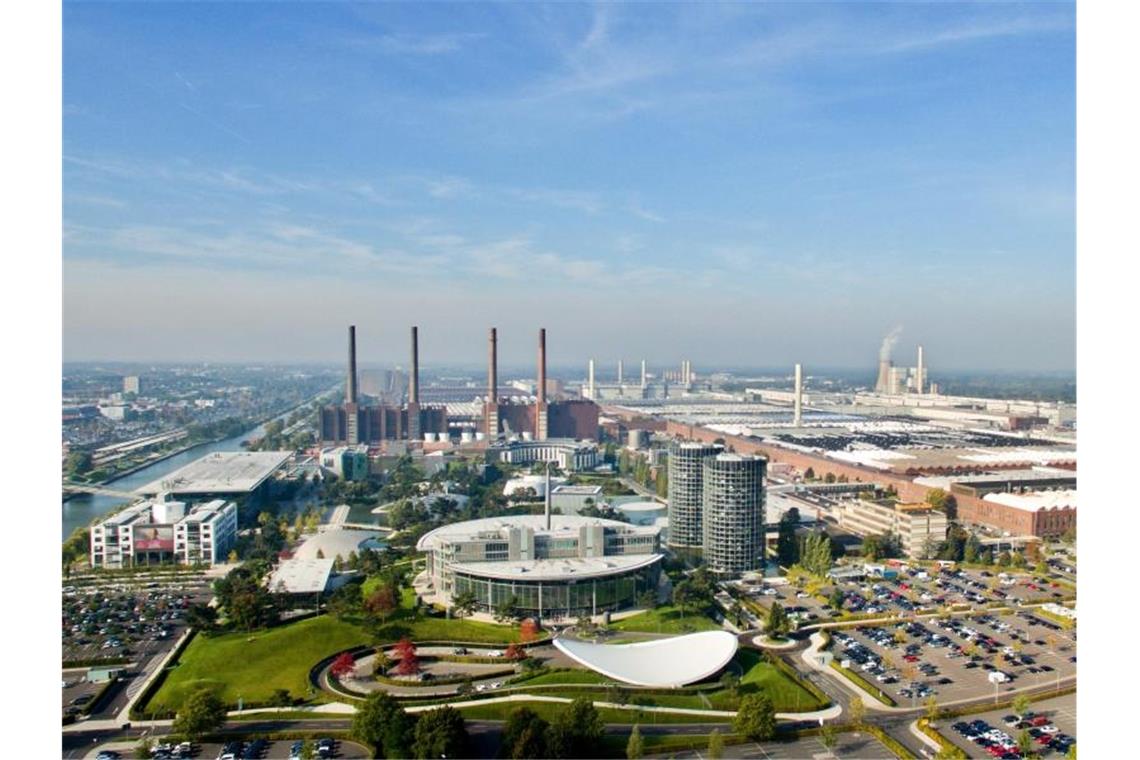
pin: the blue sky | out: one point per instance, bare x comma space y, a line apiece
746, 185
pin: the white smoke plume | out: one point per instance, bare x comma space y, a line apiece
889, 344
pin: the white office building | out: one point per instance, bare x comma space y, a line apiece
162, 531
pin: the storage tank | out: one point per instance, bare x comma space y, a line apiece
642, 512
480, 435
466, 436
429, 437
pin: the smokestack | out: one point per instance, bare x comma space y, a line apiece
799, 394
350, 385
591, 381
548, 495
491, 410
542, 365
414, 380
643, 376
920, 373
540, 419
619, 372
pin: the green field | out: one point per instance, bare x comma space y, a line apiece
564, 676
665, 619
549, 711
251, 666
785, 692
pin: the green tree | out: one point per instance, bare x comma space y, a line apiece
787, 549
203, 713
756, 717
809, 473
857, 711
524, 734
507, 611
1020, 704
1025, 743
716, 745
931, 705
464, 604
77, 463
440, 733
142, 749
827, 737
382, 724
635, 747
777, 624
576, 731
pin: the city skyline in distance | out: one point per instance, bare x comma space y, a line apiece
785, 185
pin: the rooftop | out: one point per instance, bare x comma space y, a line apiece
1035, 502
564, 524
334, 541
301, 576
558, 569
662, 663
230, 472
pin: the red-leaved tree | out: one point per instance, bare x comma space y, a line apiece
409, 663
342, 665
515, 652
383, 602
528, 630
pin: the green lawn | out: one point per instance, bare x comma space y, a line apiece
251, 666
550, 710
785, 692
565, 676
665, 619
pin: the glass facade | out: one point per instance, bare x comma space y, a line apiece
561, 598
733, 513
685, 492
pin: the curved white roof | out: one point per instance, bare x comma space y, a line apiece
564, 524
664, 663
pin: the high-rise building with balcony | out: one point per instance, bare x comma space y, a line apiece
733, 514
686, 503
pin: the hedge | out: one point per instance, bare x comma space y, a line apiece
138, 709
778, 662
955, 712
945, 745
96, 662
863, 684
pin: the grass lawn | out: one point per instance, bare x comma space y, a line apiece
549, 711
785, 692
253, 665
565, 676
665, 619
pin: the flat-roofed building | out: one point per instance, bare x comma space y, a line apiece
918, 526
566, 568
571, 500
161, 531
569, 454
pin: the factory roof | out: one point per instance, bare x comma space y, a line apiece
301, 576
1035, 502
570, 568
662, 663
230, 472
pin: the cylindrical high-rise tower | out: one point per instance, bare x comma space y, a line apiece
685, 502
414, 380
590, 383
644, 378
920, 373
733, 515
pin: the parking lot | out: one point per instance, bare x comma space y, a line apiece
955, 659
277, 750
912, 591
851, 745
125, 622
1059, 713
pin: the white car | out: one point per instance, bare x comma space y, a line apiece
481, 687
1050, 729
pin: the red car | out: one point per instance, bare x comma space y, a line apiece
1039, 721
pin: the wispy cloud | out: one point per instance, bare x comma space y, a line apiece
412, 44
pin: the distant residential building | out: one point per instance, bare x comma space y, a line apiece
916, 525
131, 384
116, 412
161, 531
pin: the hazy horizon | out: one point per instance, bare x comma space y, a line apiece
737, 185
